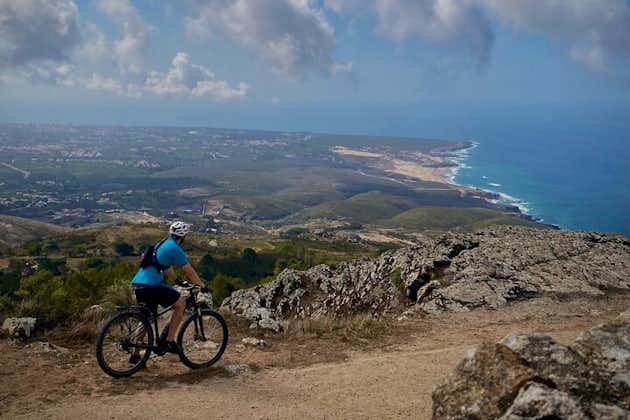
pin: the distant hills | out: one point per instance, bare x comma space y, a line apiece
17, 231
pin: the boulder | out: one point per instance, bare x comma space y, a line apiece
533, 376
19, 327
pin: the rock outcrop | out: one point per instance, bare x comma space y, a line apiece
533, 376
455, 272
19, 327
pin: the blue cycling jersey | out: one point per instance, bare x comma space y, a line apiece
169, 253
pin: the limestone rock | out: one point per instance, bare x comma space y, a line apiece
19, 327
536, 401
533, 376
456, 272
253, 341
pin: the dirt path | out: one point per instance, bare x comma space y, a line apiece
395, 381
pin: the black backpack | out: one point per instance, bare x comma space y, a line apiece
149, 257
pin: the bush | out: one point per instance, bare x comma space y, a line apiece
123, 248
93, 262
119, 293
57, 298
222, 286
34, 248
397, 281
54, 265
9, 282
7, 305
248, 256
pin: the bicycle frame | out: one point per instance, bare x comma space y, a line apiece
191, 302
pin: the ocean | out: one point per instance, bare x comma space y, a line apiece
575, 176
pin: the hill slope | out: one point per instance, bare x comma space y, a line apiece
17, 231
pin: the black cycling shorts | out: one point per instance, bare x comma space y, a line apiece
152, 296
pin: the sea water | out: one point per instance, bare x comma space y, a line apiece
573, 175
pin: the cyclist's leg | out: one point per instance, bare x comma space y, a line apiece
176, 318
166, 296
142, 297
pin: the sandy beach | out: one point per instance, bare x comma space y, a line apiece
424, 166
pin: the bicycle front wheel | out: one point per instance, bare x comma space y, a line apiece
123, 344
202, 339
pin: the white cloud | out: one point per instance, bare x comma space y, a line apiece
130, 50
294, 36
101, 83
593, 31
37, 30
184, 78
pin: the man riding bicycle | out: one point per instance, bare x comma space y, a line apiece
151, 289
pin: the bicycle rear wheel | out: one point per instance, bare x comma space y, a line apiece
202, 339
126, 333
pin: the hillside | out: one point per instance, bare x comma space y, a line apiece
447, 218
17, 231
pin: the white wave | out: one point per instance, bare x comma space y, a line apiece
484, 177
494, 184
507, 199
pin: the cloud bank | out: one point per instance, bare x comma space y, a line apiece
41, 42
37, 30
592, 31
293, 36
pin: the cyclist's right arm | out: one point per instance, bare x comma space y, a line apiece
192, 275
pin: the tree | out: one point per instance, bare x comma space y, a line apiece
123, 248
249, 256
207, 267
34, 248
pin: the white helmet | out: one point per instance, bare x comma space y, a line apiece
178, 229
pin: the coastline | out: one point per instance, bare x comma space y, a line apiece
501, 198
442, 166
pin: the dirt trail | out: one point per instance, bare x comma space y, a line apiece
395, 381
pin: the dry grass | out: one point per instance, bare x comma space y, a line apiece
357, 327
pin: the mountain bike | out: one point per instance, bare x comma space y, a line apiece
202, 337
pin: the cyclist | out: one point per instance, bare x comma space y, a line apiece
150, 287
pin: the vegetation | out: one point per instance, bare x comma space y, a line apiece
58, 277
356, 327
445, 218
396, 281
123, 248
55, 298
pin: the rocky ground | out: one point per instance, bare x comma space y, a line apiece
535, 376
304, 376
453, 273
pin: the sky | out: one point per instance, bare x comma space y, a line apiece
327, 65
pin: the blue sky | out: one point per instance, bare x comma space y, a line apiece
328, 65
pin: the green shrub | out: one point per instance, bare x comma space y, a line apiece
7, 305
34, 248
54, 265
248, 256
123, 248
397, 281
119, 293
57, 298
9, 282
222, 286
